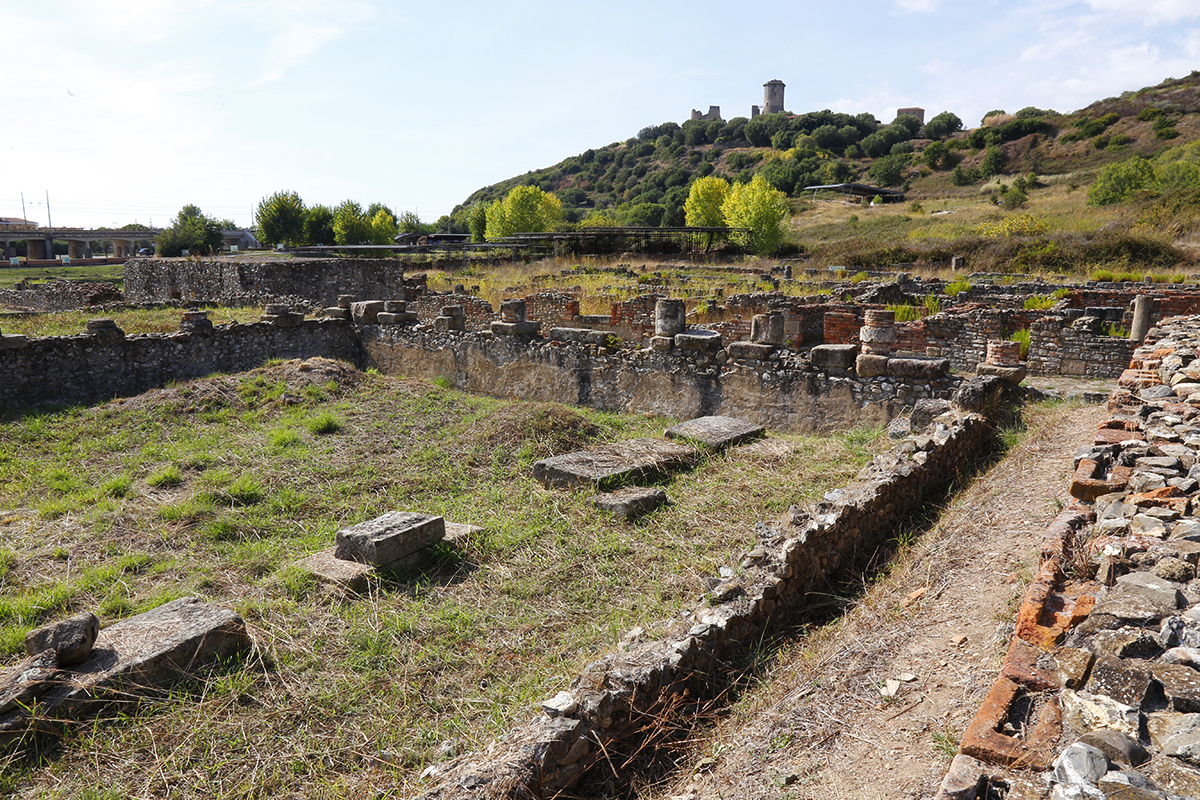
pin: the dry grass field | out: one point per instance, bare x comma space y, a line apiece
215, 487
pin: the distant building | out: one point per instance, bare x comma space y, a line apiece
714, 112
919, 113
773, 97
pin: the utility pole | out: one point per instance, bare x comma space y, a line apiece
23, 217
49, 222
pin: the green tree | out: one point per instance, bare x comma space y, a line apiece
936, 154
601, 218
477, 221
889, 171
280, 218
351, 225
193, 231
1119, 180
525, 209
760, 209
993, 162
942, 126
646, 215
318, 225
383, 227
702, 209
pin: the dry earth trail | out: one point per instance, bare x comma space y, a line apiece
818, 727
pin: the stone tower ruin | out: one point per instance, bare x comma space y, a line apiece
773, 97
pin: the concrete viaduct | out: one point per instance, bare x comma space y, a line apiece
40, 241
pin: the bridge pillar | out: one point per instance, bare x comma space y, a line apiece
40, 249
77, 248
123, 248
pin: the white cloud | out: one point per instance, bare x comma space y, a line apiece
1152, 11
917, 6
294, 45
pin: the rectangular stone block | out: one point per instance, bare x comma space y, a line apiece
516, 328
630, 502
698, 340
351, 575
613, 464
136, 657
715, 432
751, 350
388, 538
366, 312
835, 356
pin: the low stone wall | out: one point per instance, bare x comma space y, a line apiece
105, 363
1057, 347
785, 391
479, 313
622, 694
60, 296
234, 280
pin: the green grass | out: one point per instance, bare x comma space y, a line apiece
458, 650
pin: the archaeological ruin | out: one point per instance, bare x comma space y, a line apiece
1100, 685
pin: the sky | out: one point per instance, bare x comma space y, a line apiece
125, 110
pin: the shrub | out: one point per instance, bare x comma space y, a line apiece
1104, 275
964, 177
1039, 302
1117, 330
1119, 180
1023, 337
1014, 225
993, 162
905, 312
860, 277
960, 285
1149, 113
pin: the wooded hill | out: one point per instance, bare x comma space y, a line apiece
645, 179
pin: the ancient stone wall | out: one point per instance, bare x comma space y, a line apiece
238, 280
962, 336
1060, 347
551, 307
429, 305
783, 392
60, 295
106, 363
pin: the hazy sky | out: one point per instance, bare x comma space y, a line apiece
125, 110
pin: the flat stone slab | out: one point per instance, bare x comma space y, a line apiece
388, 538
613, 464
630, 502
457, 532
135, 657
350, 575
715, 432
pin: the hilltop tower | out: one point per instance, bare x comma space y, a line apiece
772, 97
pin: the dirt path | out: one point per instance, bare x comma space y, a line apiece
819, 727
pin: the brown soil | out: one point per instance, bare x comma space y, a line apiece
819, 727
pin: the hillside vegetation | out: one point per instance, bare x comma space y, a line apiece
1012, 194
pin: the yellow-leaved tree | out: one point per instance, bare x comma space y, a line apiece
759, 209
702, 209
525, 209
